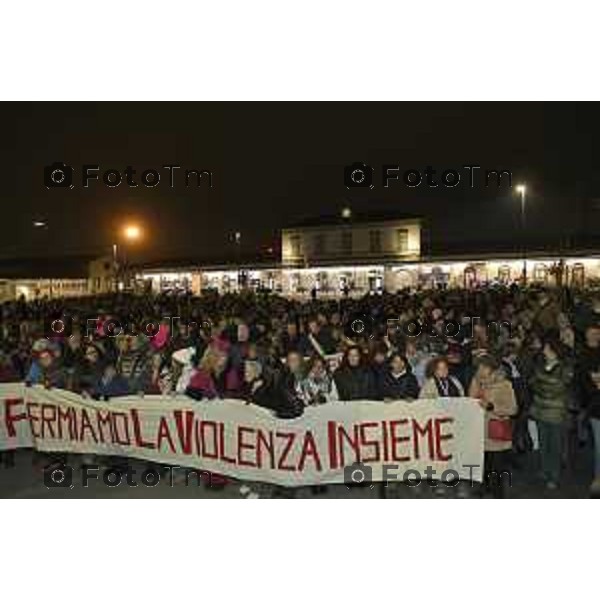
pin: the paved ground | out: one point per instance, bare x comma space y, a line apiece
26, 480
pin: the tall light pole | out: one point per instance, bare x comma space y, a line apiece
130, 233
522, 189
237, 242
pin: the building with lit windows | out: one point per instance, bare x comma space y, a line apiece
356, 254
331, 256
37, 278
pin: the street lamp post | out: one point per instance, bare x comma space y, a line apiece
115, 267
522, 189
237, 241
130, 233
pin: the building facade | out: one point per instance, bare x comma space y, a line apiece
354, 255
32, 289
331, 256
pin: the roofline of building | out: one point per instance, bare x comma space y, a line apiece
352, 223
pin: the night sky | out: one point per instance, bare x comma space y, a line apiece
276, 163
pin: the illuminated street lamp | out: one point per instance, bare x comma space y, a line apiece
521, 189
130, 233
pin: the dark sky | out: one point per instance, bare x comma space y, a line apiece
275, 163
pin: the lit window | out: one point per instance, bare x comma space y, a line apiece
402, 240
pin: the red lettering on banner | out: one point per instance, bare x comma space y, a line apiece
137, 431
331, 445
250, 441
213, 426
223, 456
164, 433
269, 446
244, 446
342, 434
85, 425
103, 419
366, 443
439, 438
309, 449
395, 439
69, 417
386, 452
117, 439
10, 418
184, 432
421, 431
49, 417
33, 419
290, 437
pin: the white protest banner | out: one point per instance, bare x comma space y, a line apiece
14, 428
244, 441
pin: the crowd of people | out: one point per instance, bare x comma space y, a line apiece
530, 356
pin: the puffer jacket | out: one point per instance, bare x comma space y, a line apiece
551, 387
355, 383
588, 382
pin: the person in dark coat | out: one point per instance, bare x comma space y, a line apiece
111, 384
271, 391
397, 382
515, 372
88, 373
318, 340
551, 384
378, 361
355, 380
291, 340
589, 394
